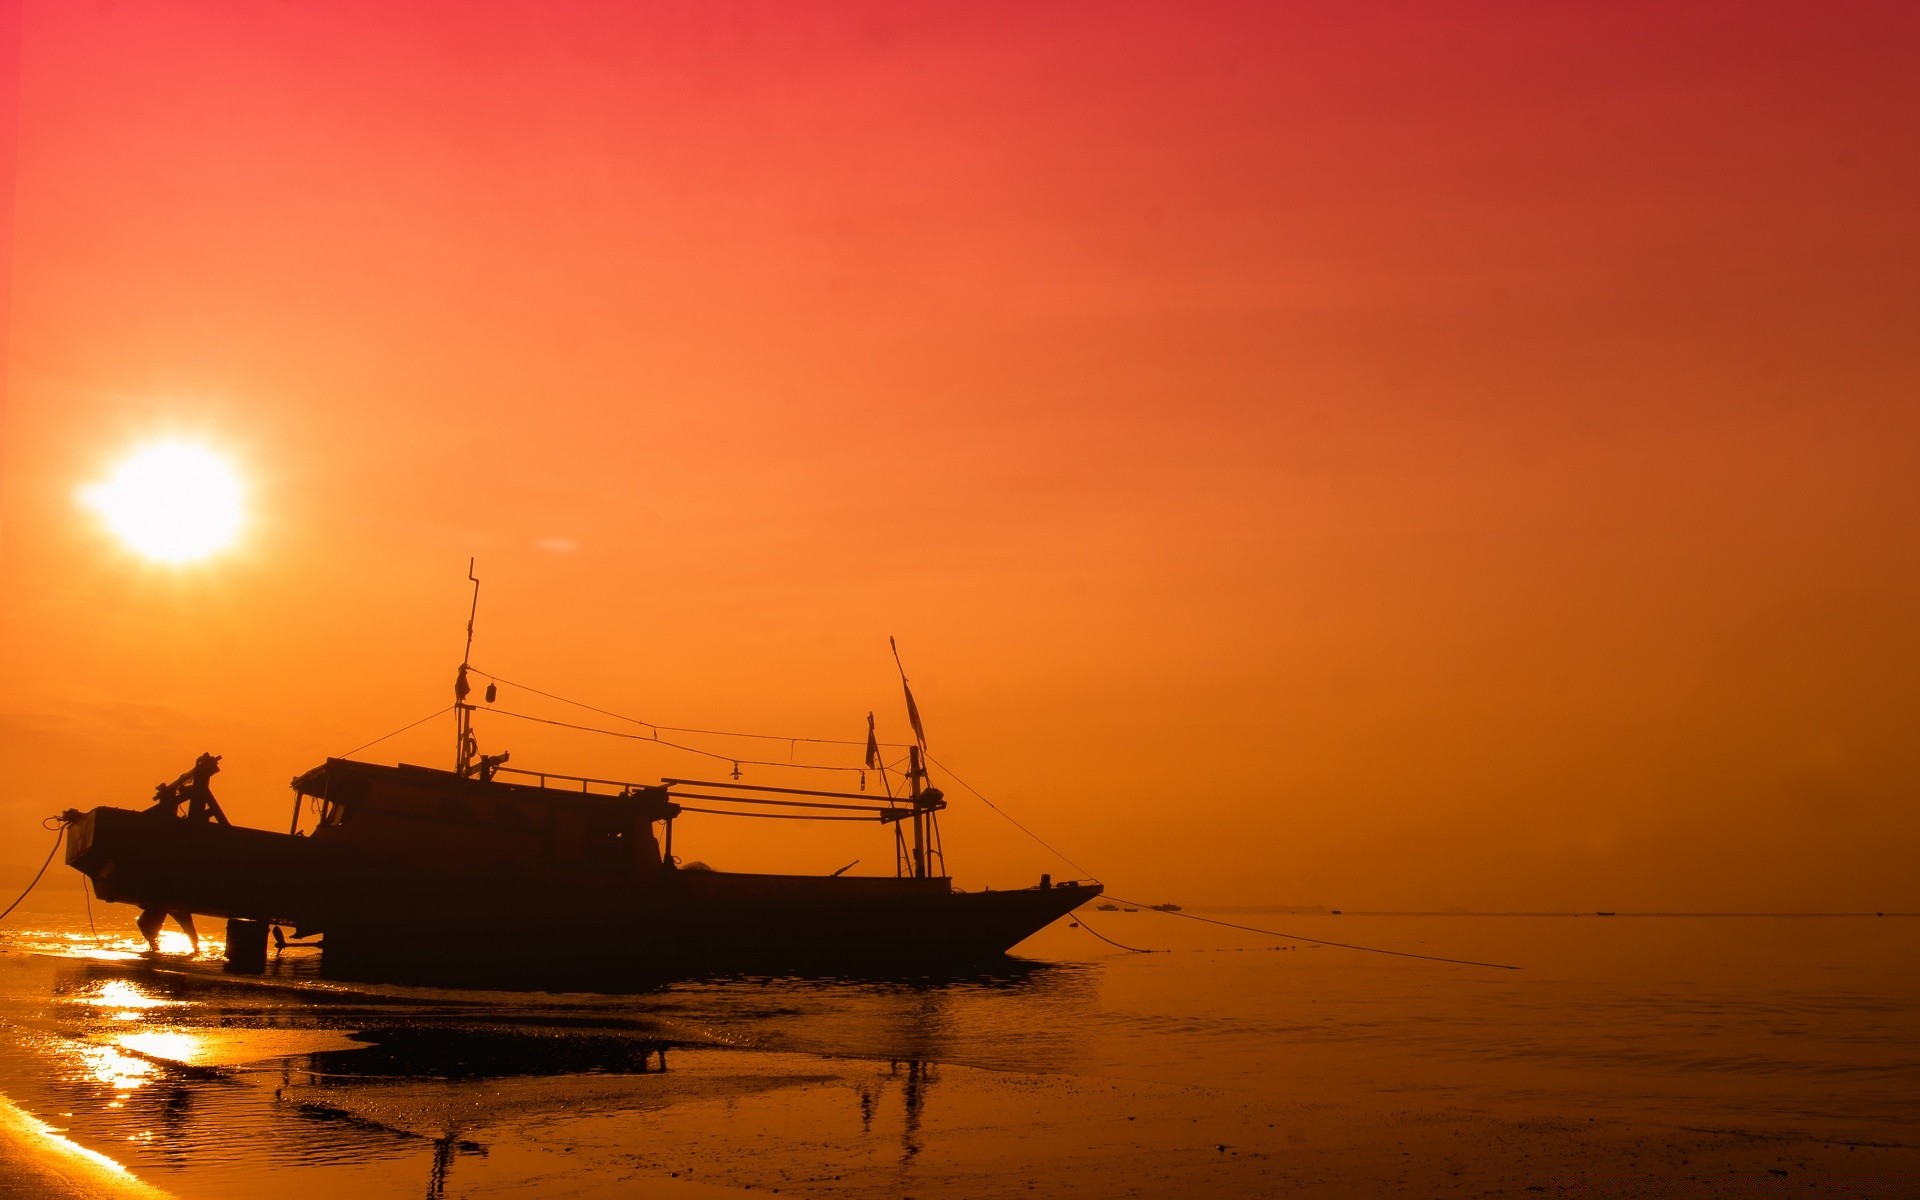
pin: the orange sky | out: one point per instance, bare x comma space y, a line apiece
1379, 457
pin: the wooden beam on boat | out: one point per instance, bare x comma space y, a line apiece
756, 787
734, 812
869, 807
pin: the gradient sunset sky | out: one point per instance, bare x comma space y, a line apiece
1380, 455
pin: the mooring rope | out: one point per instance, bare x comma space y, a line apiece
86, 889
1296, 937
1109, 941
59, 831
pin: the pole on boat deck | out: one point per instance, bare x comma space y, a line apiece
916, 770
916, 777
463, 745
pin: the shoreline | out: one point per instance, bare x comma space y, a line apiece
36, 1159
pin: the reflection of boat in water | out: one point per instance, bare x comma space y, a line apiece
486, 868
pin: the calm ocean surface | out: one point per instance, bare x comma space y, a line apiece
1223, 1060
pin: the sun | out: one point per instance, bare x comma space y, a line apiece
171, 502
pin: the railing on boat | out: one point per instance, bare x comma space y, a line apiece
586, 782
753, 799
765, 795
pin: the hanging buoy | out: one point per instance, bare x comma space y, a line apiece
492, 692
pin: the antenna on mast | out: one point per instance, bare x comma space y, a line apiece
464, 746
471, 612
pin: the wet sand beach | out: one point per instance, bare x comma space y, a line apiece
1649, 1057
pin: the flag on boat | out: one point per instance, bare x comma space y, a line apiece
913, 710
873, 746
913, 714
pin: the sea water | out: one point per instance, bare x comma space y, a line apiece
1624, 1055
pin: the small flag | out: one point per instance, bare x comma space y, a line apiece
873, 751
913, 714
913, 710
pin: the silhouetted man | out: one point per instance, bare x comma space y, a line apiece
192, 789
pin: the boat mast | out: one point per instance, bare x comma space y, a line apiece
916, 782
464, 745
927, 801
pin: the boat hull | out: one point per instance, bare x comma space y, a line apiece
393, 914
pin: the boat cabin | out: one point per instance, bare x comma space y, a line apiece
439, 816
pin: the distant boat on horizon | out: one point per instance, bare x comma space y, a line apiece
1166, 908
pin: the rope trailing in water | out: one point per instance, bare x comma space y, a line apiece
59, 831
1109, 941
396, 733
1460, 962
1295, 937
86, 889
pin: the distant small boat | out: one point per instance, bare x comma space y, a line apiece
1129, 910
1166, 908
1108, 907
1603, 914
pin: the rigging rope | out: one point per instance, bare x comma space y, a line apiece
59, 832
396, 733
1017, 825
654, 736
1295, 937
658, 740
607, 712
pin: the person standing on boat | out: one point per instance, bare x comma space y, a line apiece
201, 806
193, 790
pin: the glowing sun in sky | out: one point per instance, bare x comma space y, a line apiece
171, 502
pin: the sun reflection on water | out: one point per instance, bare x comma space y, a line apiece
124, 995
114, 1067
172, 1045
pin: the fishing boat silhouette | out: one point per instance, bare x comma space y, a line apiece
486, 867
